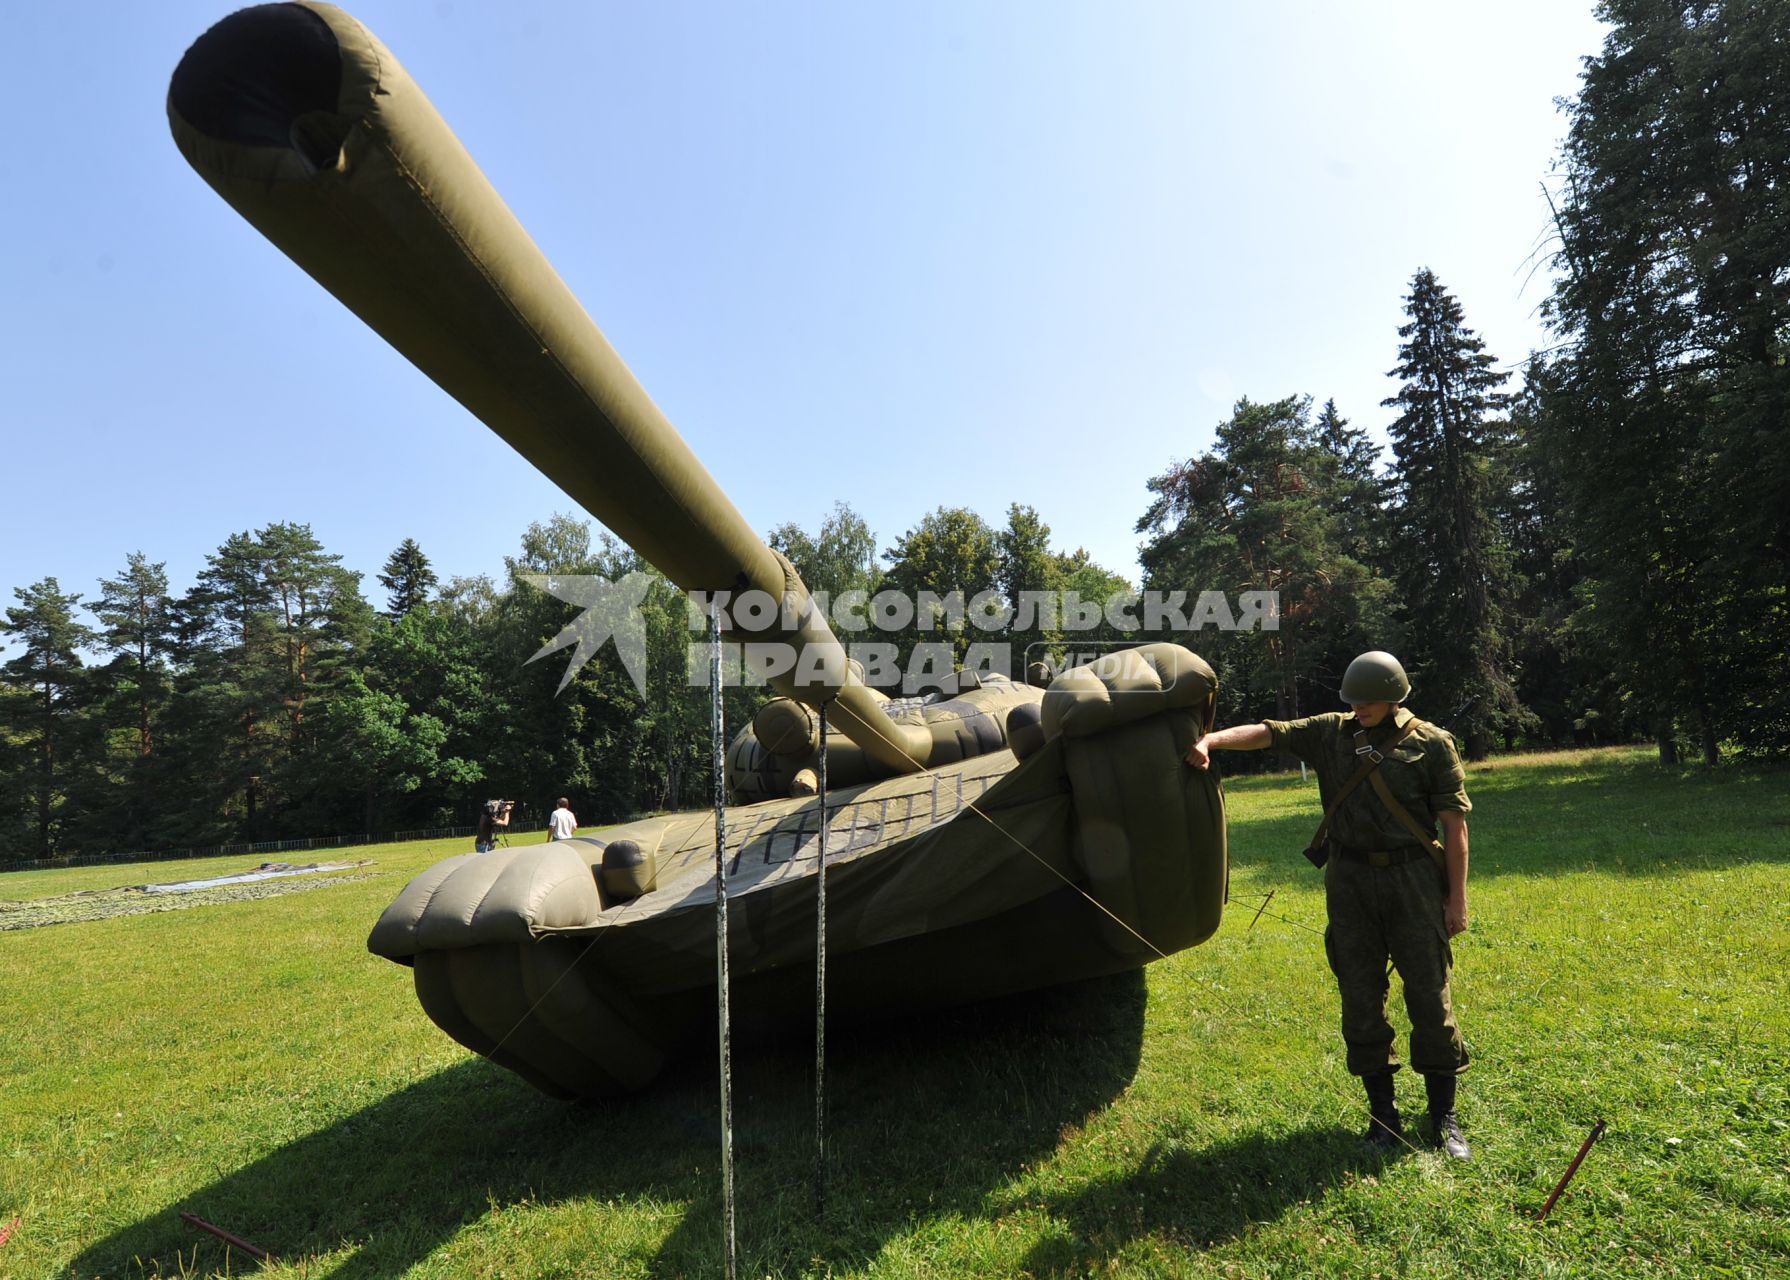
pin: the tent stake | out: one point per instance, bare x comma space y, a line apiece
718, 718
253, 1250
1597, 1131
820, 986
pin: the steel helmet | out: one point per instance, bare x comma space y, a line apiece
1375, 677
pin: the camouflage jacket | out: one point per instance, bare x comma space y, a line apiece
1424, 772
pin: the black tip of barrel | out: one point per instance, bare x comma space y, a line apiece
252, 76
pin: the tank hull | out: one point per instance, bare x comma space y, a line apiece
971, 881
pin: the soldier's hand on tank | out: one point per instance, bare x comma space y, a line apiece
1197, 754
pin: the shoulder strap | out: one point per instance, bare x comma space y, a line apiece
1370, 763
1424, 838
1403, 814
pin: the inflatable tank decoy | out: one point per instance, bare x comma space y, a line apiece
992, 839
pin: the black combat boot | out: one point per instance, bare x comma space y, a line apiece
1384, 1129
1445, 1126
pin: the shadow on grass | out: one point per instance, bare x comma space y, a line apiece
926, 1117
1196, 1199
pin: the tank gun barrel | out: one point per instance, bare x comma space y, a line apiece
306, 125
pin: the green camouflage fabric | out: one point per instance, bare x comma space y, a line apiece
1382, 913
1424, 772
1386, 913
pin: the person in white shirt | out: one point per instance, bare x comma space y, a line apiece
563, 823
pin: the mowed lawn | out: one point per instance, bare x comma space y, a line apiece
1629, 960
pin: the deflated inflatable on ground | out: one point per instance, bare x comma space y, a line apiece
990, 839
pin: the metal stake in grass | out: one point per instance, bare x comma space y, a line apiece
820, 985
253, 1250
717, 715
1597, 1131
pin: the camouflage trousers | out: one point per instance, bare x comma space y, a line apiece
1392, 913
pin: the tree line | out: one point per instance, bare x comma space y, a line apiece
272, 700
1596, 549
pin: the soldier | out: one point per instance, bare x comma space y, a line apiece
1390, 889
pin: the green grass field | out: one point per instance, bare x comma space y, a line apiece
1629, 960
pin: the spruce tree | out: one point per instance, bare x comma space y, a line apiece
409, 579
1668, 408
1356, 488
1446, 557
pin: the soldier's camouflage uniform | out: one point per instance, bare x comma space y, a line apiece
1389, 911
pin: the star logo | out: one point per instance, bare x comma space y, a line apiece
611, 610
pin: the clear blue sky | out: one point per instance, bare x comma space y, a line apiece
901, 255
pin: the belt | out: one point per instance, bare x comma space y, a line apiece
1383, 857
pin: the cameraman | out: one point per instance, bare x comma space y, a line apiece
493, 818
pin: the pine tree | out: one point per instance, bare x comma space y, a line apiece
409, 579
131, 694
271, 626
49, 670
18, 833
139, 631
1446, 557
302, 582
215, 744
1265, 511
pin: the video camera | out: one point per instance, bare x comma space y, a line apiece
496, 807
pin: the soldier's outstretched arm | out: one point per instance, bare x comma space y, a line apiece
1240, 737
